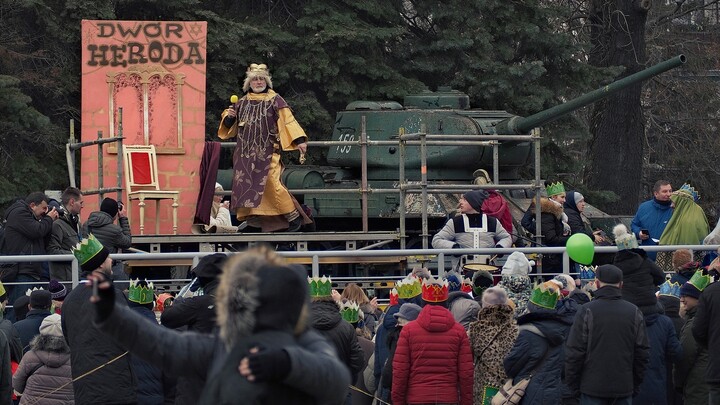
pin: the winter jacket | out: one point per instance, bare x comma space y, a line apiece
29, 327
6, 391
664, 348
433, 361
25, 235
45, 368
326, 319
315, 367
387, 324
197, 313
492, 336
359, 398
371, 317
8, 330
90, 348
463, 308
113, 237
654, 217
148, 378
392, 338
553, 232
454, 234
671, 306
706, 329
63, 238
518, 289
641, 276
541, 355
689, 373
607, 349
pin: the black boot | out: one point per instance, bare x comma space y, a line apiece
295, 225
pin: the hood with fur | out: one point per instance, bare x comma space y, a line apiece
258, 292
53, 351
551, 207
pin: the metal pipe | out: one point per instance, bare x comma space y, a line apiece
538, 186
517, 138
100, 167
119, 150
100, 190
424, 186
403, 195
364, 173
79, 145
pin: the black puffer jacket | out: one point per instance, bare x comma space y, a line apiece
326, 319
90, 348
641, 276
26, 235
197, 313
113, 237
552, 229
706, 331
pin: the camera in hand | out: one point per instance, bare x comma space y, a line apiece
58, 207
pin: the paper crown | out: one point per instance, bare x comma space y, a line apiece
700, 280
86, 250
466, 285
546, 295
688, 191
435, 290
409, 287
350, 311
670, 289
555, 189
320, 286
30, 290
394, 297
141, 292
587, 272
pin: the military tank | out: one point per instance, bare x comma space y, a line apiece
334, 192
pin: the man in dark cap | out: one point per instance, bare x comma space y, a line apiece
607, 349
28, 328
472, 229
197, 313
115, 237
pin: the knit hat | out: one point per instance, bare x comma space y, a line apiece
481, 280
257, 70
689, 290
494, 296
57, 290
578, 197
209, 268
50, 326
476, 198
681, 257
109, 206
609, 274
569, 284
90, 253
40, 299
516, 265
623, 239
408, 311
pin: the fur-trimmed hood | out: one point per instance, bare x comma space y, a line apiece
53, 351
258, 292
551, 207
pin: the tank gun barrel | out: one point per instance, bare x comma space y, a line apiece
520, 125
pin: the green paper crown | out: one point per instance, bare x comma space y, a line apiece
700, 280
320, 286
141, 294
545, 295
409, 287
555, 188
350, 311
87, 249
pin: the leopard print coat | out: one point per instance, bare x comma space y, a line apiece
493, 320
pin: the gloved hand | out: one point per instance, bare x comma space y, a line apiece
269, 365
105, 299
457, 246
499, 255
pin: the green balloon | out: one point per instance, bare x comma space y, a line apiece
580, 248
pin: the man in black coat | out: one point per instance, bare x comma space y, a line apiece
89, 347
607, 349
28, 225
28, 328
706, 331
115, 237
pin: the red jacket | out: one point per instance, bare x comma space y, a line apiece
497, 207
433, 362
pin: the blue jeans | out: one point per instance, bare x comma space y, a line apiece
590, 400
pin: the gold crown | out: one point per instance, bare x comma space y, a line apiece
258, 68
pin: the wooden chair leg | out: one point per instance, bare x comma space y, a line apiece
142, 215
175, 207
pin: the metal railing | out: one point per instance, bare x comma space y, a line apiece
440, 256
